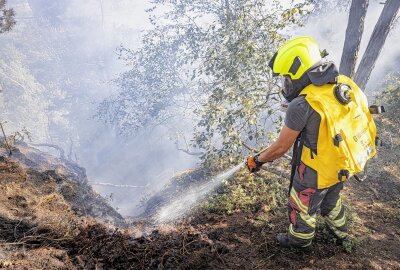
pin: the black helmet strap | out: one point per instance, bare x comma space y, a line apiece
296, 87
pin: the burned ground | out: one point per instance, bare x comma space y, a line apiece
47, 222
43, 203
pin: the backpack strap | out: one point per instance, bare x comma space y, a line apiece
296, 158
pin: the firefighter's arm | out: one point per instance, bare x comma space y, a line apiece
285, 140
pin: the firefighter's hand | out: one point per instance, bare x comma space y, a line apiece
253, 164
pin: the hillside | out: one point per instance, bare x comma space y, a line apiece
44, 201
51, 219
128, 129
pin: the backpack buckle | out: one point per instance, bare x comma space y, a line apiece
375, 109
337, 139
343, 175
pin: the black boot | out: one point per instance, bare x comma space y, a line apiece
339, 241
342, 241
284, 241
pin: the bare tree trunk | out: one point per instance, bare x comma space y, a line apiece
354, 31
376, 42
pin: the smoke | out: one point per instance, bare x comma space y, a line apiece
329, 29
149, 159
56, 67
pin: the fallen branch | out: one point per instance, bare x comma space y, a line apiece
376, 193
117, 186
248, 147
62, 153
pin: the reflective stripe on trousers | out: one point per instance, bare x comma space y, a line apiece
304, 202
302, 227
336, 219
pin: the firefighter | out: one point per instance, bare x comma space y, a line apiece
320, 124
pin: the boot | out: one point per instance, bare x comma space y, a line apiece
284, 241
339, 241
342, 241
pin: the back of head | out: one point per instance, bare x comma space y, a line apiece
299, 62
295, 57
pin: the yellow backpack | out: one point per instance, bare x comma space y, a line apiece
347, 132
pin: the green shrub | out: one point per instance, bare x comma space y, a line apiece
248, 193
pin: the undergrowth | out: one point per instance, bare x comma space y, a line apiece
355, 227
248, 193
265, 195
390, 96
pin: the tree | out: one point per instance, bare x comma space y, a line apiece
210, 59
354, 34
376, 42
354, 31
7, 17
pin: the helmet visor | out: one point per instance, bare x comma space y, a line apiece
287, 85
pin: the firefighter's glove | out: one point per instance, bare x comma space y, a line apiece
253, 164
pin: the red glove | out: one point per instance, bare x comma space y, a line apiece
253, 164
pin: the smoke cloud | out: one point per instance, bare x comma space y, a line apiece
57, 64
329, 31
60, 59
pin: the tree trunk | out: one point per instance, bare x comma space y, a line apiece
354, 31
376, 42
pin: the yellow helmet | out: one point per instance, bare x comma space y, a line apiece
295, 57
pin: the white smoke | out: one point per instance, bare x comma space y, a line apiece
78, 53
329, 31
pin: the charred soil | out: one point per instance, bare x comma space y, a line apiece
45, 225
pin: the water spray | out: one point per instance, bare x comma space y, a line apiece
178, 207
184, 203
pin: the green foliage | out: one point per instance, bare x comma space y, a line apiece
322, 7
242, 95
351, 244
209, 58
47, 73
354, 225
357, 231
391, 92
248, 193
353, 220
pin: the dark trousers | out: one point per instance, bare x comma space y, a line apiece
305, 200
